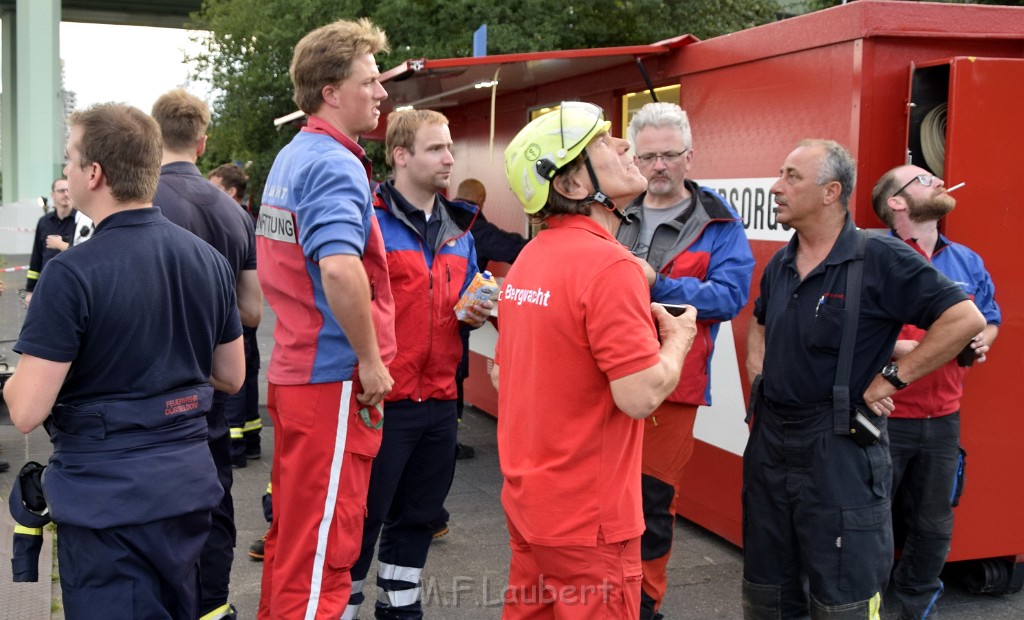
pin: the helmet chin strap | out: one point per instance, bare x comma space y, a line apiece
600, 197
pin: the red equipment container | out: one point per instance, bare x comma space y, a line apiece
841, 73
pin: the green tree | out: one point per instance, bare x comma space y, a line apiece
808, 6
250, 44
444, 29
246, 57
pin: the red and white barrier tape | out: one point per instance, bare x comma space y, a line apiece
13, 269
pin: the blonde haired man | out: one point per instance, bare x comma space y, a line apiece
323, 270
191, 201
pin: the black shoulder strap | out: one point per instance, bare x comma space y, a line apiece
841, 389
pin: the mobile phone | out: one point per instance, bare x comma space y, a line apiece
966, 356
673, 309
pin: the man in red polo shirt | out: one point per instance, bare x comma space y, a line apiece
580, 365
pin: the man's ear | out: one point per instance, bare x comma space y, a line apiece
95, 171
568, 186
201, 147
329, 94
399, 155
832, 191
896, 203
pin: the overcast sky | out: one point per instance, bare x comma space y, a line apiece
130, 64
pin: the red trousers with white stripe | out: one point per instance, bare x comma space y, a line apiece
322, 456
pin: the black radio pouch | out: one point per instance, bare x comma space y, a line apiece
862, 431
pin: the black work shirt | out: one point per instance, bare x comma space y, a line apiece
428, 229
189, 200
803, 319
138, 311
49, 224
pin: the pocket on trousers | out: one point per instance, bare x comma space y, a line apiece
346, 537
297, 404
880, 463
632, 577
362, 438
865, 547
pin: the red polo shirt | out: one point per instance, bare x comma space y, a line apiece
575, 315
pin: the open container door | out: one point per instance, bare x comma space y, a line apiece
966, 124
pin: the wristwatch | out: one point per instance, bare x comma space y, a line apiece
891, 375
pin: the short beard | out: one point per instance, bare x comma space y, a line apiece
669, 190
931, 210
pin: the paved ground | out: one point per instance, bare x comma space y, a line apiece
466, 571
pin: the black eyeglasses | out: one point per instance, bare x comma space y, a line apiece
923, 179
668, 157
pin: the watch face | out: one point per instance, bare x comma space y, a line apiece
890, 372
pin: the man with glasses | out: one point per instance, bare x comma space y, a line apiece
694, 251
55, 233
817, 533
924, 428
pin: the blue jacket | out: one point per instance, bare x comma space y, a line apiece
702, 259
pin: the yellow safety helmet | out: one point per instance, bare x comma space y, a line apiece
545, 145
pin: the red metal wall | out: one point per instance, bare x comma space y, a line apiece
840, 74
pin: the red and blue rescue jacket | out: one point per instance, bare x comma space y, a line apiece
938, 393
426, 283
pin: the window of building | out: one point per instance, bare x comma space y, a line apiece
632, 102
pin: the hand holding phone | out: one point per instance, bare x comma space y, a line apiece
677, 324
673, 309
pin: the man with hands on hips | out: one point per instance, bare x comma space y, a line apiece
817, 530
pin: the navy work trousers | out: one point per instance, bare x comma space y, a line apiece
815, 506
133, 571
242, 409
409, 482
219, 551
925, 458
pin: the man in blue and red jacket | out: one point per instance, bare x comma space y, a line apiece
924, 428
431, 262
695, 252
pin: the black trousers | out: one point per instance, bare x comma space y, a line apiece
815, 507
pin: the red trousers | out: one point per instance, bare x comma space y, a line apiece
570, 583
322, 456
668, 445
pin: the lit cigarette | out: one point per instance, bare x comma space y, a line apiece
955, 187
